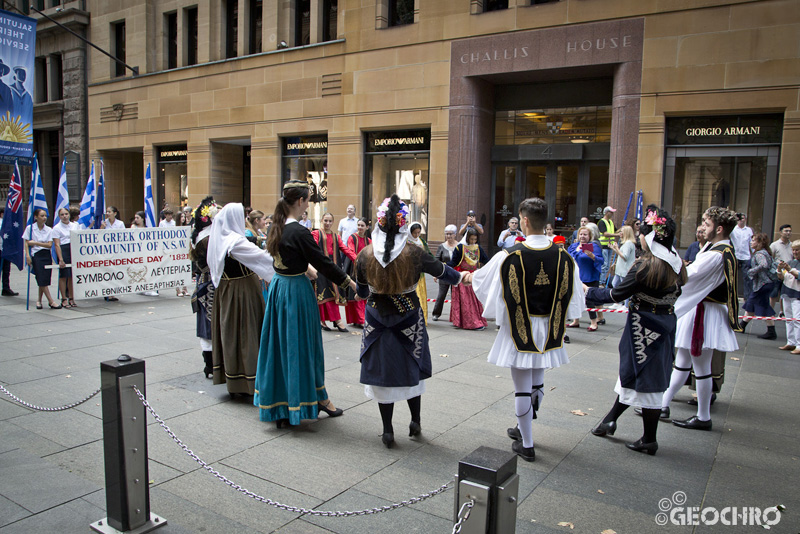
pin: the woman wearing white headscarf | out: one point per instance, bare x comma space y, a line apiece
652, 284
235, 265
395, 357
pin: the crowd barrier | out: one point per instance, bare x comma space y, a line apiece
486, 485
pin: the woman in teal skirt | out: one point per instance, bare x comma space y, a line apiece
290, 381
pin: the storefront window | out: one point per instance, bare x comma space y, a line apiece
735, 182
398, 162
306, 158
173, 183
587, 124
729, 161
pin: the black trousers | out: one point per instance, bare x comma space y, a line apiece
6, 274
443, 289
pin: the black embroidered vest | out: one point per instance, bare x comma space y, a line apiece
727, 292
537, 283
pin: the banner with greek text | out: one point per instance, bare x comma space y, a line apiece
107, 263
17, 58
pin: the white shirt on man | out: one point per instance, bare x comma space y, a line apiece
740, 239
166, 224
782, 251
348, 227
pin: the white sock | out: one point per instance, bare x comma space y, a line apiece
523, 409
678, 378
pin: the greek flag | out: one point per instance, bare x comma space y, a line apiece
62, 200
149, 208
87, 203
36, 198
100, 199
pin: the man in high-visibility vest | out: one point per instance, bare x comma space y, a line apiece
607, 234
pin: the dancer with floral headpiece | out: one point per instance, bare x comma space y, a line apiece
395, 357
653, 284
203, 296
290, 382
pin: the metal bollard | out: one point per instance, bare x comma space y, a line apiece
489, 478
125, 450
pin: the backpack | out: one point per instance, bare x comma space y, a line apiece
773, 270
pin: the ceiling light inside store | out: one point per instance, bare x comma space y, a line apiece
579, 139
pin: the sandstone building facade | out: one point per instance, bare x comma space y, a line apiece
454, 104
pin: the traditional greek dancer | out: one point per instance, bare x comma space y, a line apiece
653, 284
708, 315
395, 357
530, 289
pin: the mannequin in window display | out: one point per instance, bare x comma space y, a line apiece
313, 200
405, 181
322, 191
419, 196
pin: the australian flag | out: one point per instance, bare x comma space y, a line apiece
13, 224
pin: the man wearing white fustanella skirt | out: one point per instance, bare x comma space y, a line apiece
707, 313
531, 289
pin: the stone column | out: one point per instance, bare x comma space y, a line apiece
75, 98
198, 170
624, 134
469, 162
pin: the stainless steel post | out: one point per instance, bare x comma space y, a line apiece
489, 478
125, 450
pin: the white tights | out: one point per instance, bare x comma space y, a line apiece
524, 382
702, 367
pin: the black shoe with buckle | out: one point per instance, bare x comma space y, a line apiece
640, 446
526, 453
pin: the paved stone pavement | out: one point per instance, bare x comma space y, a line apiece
51, 468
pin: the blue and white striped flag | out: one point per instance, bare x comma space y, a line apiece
149, 208
36, 198
640, 204
62, 200
87, 203
100, 198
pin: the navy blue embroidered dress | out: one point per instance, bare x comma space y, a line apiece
646, 345
395, 356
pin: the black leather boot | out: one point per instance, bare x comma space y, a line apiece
769, 334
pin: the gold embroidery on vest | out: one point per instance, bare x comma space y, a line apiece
520, 320
278, 262
513, 282
564, 283
541, 279
557, 319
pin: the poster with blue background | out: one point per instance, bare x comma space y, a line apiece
17, 58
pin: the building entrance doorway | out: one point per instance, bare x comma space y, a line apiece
571, 189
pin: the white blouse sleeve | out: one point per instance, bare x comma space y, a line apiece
256, 259
705, 273
577, 303
488, 288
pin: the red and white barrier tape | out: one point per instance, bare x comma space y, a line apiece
751, 317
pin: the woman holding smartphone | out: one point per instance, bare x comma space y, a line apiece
589, 257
